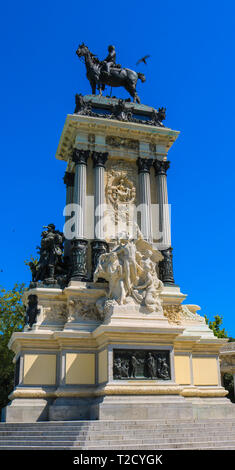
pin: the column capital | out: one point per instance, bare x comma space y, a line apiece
99, 158
80, 156
68, 178
144, 164
161, 167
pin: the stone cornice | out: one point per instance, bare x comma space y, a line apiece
163, 136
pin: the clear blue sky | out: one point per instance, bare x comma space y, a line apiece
191, 72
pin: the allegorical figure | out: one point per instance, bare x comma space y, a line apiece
163, 369
133, 363
32, 310
127, 251
150, 366
51, 250
110, 269
51, 262
120, 369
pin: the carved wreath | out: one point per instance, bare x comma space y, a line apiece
122, 191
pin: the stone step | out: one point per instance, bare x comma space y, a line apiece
190, 446
107, 443
151, 441
100, 436
119, 435
169, 446
122, 423
115, 432
146, 427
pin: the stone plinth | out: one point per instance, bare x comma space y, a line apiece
117, 342
66, 371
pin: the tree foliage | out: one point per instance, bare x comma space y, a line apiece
12, 315
229, 385
215, 326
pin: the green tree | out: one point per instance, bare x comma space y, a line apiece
215, 326
228, 384
221, 333
12, 314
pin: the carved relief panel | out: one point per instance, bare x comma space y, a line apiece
141, 364
120, 191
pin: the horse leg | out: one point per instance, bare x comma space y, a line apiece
131, 89
99, 86
136, 98
93, 87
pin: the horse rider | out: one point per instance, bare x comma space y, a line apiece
110, 60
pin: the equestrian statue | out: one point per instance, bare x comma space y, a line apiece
107, 72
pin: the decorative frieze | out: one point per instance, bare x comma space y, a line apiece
82, 310
116, 141
178, 314
173, 313
54, 312
141, 364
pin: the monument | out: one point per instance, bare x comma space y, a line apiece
107, 335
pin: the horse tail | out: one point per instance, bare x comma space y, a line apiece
142, 77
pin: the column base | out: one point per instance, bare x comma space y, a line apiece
79, 259
166, 267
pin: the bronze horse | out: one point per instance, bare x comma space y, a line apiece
98, 77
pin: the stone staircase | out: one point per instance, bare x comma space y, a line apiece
111, 435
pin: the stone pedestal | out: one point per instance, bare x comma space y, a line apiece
120, 344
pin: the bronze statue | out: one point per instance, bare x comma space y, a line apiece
108, 72
51, 264
31, 311
110, 60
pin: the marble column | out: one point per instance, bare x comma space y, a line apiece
99, 160
69, 181
144, 166
98, 246
165, 266
80, 158
79, 243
